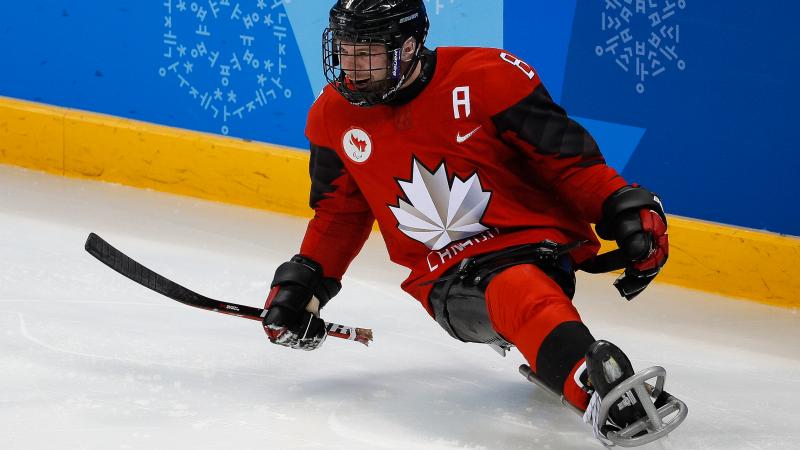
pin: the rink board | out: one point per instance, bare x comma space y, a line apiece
728, 260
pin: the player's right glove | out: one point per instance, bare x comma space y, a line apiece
298, 291
634, 217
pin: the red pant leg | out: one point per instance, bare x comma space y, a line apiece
530, 310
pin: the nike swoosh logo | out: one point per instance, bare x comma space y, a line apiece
460, 138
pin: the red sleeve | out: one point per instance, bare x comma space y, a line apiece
342, 218
563, 154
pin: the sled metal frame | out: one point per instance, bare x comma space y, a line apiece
653, 424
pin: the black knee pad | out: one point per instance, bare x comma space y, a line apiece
459, 298
461, 310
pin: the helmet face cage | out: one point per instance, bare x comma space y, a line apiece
376, 45
362, 85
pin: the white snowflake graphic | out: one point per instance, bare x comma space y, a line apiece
236, 47
439, 212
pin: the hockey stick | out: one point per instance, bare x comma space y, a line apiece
125, 265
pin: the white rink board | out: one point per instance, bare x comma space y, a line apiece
88, 359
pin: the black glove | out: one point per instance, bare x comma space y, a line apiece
634, 217
288, 321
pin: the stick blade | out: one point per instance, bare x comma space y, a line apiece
129, 268
94, 244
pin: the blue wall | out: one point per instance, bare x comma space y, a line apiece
695, 99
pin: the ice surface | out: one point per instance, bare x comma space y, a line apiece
88, 359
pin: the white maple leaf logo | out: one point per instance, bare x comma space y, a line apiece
439, 212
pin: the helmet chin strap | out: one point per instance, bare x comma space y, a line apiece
395, 69
397, 63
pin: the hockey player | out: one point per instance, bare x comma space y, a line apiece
480, 184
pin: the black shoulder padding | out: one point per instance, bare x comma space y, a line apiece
324, 167
625, 199
542, 123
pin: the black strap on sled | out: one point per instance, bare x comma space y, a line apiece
605, 262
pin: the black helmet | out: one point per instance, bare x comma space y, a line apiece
386, 22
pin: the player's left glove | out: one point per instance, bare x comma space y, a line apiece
634, 217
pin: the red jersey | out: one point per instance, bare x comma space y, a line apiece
478, 160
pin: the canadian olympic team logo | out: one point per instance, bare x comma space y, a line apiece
357, 145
